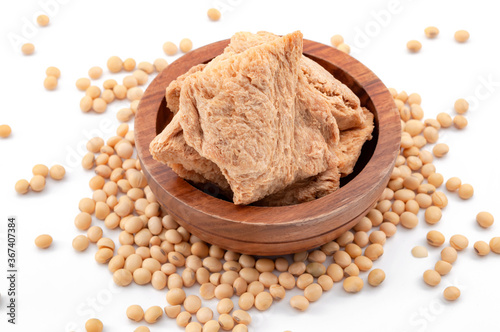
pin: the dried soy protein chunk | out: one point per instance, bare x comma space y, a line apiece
173, 90
251, 118
170, 147
317, 89
305, 190
341, 102
348, 151
351, 142
221, 99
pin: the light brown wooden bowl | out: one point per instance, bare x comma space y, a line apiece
273, 230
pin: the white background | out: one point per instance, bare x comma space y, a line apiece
60, 289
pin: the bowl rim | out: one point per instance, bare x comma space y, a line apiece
305, 214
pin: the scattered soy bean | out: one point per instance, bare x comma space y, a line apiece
465, 191
408, 220
114, 64
152, 314
192, 304
344, 48
482, 248
440, 150
213, 14
93, 325
451, 293
439, 199
453, 184
226, 322
312, 293
122, 277
160, 64
353, 284
435, 238
449, 255
459, 242
173, 311
414, 46
240, 328
442, 267
184, 318
461, 106
485, 219
336, 40
299, 302
43, 241
40, 169
376, 277
176, 296
495, 245
432, 278
462, 36
37, 183
431, 32
95, 72
460, 121
42, 20
128, 64
444, 120
263, 301
50, 83
28, 48
57, 172
135, 313
185, 45
193, 327
419, 252
5, 131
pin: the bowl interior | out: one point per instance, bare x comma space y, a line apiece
164, 116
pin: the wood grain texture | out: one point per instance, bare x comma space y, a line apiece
273, 230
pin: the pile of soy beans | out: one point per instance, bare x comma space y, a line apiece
153, 249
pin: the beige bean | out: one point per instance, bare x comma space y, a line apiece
153, 314
482, 248
376, 277
353, 284
299, 302
225, 306
449, 255
183, 319
495, 245
432, 278
442, 267
135, 313
459, 242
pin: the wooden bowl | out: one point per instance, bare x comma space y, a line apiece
273, 230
